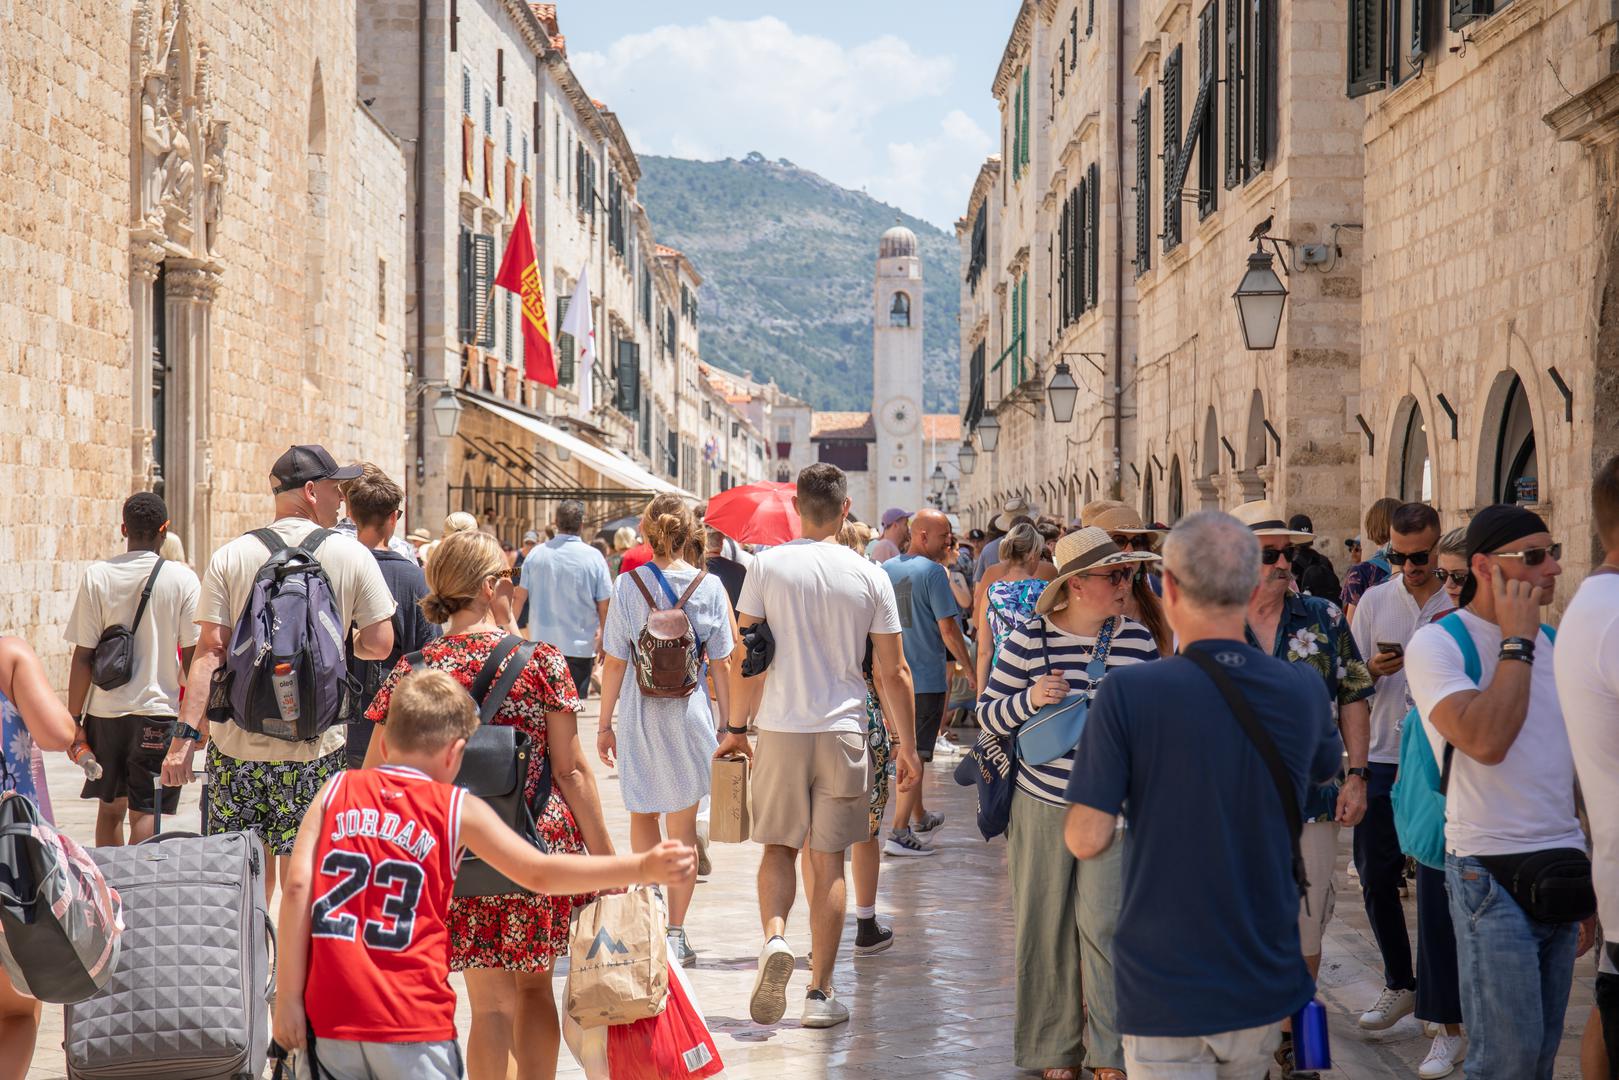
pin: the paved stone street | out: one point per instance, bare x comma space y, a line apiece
939, 1003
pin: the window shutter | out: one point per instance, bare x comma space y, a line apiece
1233, 93
483, 273
466, 92
1027, 130
1463, 12
565, 346
1062, 265
1171, 81
1208, 74
1419, 27
1017, 134
1093, 243
1073, 37
506, 324
1367, 47
1062, 68
1144, 183
467, 316
1090, 17
1082, 240
1259, 84
1023, 325
629, 377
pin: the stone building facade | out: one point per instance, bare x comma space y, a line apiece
203, 227
1489, 364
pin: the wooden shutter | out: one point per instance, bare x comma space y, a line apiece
1082, 233
1420, 22
1073, 37
1093, 243
1027, 129
1062, 265
1171, 109
1144, 182
1463, 12
1368, 49
1208, 74
629, 377
483, 274
1234, 161
1260, 32
467, 311
1090, 17
566, 349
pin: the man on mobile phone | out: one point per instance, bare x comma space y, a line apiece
1386, 617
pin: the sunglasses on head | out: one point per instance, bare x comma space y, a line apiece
1132, 543
1415, 558
1115, 577
1533, 556
1268, 556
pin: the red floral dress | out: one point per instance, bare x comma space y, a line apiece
517, 933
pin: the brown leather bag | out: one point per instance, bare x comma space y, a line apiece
668, 655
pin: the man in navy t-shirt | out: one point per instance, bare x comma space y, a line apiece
1210, 981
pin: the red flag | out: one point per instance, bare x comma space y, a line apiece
520, 274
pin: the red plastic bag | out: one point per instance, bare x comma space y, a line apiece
674, 1045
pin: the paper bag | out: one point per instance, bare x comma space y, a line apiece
618, 959
728, 800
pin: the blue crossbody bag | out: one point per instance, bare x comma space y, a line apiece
1054, 731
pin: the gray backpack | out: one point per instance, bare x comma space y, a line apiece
188, 997
286, 672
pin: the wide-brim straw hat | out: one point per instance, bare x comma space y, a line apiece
1012, 508
1081, 552
1265, 518
417, 537
1116, 517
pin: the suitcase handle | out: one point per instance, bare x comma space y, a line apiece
269, 933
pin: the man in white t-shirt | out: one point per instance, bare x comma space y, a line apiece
128, 727
821, 603
1588, 688
1510, 793
257, 782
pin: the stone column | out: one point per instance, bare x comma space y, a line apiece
189, 288
145, 256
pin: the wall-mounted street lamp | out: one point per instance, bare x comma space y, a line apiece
937, 480
967, 457
989, 432
1260, 298
1062, 392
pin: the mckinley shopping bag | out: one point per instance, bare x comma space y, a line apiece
618, 959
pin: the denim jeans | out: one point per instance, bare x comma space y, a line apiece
1515, 975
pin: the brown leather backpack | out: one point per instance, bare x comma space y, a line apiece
668, 655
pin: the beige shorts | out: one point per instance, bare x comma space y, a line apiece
815, 784
1320, 846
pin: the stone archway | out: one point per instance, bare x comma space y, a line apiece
1207, 484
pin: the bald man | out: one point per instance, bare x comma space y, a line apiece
928, 618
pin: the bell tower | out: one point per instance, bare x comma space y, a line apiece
896, 356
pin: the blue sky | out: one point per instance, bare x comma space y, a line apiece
887, 95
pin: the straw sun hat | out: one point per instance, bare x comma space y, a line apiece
1265, 518
1081, 552
1116, 517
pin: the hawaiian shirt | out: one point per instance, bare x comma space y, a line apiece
1363, 575
1313, 631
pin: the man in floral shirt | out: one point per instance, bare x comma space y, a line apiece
1311, 631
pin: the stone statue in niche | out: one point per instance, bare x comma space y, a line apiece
213, 181
180, 175
157, 142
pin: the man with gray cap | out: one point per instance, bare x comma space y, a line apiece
895, 535
1483, 682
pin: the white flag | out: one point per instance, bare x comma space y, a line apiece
578, 323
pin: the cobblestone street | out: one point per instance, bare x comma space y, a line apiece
939, 1003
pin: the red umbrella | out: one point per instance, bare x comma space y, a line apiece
759, 513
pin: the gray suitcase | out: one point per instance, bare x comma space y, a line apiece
188, 999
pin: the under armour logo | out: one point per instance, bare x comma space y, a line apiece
1231, 659
604, 938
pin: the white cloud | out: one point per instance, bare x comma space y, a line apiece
723, 87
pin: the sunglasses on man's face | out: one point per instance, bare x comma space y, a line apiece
1268, 556
1115, 577
1415, 558
1533, 556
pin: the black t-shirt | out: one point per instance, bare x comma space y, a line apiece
731, 574
407, 584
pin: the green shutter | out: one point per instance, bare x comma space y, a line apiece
466, 314
1093, 243
1368, 48
483, 276
1233, 93
1171, 109
1027, 130
1144, 182
1261, 31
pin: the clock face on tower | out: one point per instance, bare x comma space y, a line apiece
899, 417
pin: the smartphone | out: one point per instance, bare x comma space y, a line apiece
1391, 647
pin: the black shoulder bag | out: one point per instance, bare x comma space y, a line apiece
495, 765
113, 662
1266, 746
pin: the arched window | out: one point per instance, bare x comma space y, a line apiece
899, 313
1177, 492
1517, 465
1416, 470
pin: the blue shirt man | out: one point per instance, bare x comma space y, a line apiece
922, 593
566, 585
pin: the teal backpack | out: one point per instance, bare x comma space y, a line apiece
1419, 786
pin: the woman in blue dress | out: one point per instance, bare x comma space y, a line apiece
31, 715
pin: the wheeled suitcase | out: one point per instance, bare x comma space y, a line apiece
188, 999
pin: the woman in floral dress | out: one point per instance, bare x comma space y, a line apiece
31, 718
507, 945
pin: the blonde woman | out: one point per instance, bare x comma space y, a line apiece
663, 747
506, 945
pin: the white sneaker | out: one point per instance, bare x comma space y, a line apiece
905, 845
823, 1010
769, 1001
1391, 1005
1447, 1052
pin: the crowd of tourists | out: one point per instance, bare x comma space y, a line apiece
1140, 707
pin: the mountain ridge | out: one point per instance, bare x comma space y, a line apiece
788, 259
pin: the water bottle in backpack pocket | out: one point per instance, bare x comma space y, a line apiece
285, 672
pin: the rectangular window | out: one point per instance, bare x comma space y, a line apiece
980, 248
566, 350
466, 92
1250, 78
1170, 84
1463, 12
525, 155
1062, 68
1073, 36
1143, 190
506, 324
847, 454
1387, 42
382, 290
558, 155
476, 271
488, 115
628, 399
509, 143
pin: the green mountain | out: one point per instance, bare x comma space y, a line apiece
787, 259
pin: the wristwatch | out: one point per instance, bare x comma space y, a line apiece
1359, 771
1517, 648
729, 730
186, 731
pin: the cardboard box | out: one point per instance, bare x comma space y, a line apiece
728, 821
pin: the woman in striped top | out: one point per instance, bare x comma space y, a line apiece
1064, 912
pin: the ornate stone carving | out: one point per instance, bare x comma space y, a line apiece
214, 175
179, 147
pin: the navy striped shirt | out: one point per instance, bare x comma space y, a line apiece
1005, 703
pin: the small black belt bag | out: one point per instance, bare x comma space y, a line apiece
1552, 886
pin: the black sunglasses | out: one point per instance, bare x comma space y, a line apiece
1115, 577
1443, 576
1136, 543
1268, 556
1533, 556
1415, 558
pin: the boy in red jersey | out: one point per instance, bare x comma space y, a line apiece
364, 949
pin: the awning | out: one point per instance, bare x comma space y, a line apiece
611, 464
